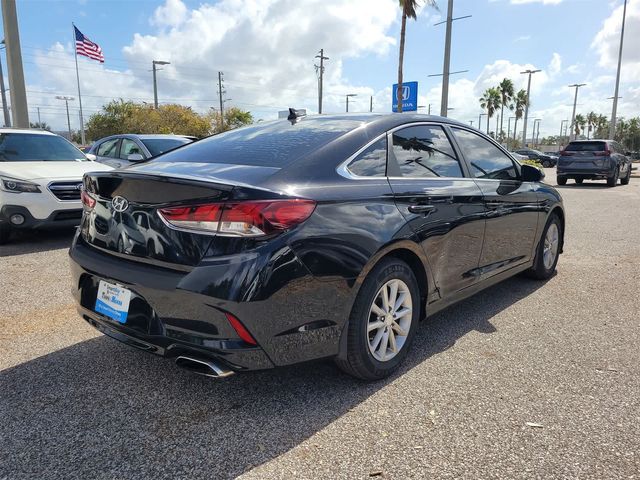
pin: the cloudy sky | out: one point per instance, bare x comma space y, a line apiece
266, 50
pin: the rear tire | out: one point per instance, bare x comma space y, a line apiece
548, 250
627, 177
612, 181
561, 181
375, 342
546, 163
5, 233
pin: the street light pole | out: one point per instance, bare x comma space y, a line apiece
480, 120
509, 127
66, 102
471, 123
612, 125
537, 135
350, 95
320, 70
17, 90
526, 107
155, 83
561, 129
573, 115
5, 107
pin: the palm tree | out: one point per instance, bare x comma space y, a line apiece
506, 98
579, 123
602, 127
634, 133
408, 8
490, 101
520, 103
591, 123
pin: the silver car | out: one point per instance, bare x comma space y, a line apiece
123, 150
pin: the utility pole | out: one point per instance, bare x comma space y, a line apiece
320, 72
17, 90
155, 83
371, 103
444, 102
573, 115
220, 90
471, 123
5, 107
535, 136
509, 127
350, 95
480, 120
526, 107
429, 109
39, 121
614, 111
66, 102
561, 128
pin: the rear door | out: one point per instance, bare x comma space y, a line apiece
108, 151
512, 206
441, 204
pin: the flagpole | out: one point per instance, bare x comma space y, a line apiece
75, 51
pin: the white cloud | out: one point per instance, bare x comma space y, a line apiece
556, 64
171, 14
544, 2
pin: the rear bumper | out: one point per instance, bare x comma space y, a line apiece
65, 218
293, 316
585, 173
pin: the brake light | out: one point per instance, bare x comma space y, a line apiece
87, 200
241, 219
240, 329
604, 153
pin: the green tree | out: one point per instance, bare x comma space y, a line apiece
602, 127
408, 8
592, 118
520, 103
40, 125
507, 92
490, 101
579, 123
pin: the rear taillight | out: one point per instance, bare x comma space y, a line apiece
604, 153
240, 219
564, 153
87, 200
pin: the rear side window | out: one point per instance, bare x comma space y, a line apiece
109, 148
485, 159
586, 147
372, 161
425, 151
272, 144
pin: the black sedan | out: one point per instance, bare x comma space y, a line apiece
545, 159
314, 237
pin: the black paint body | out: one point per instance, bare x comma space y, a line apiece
294, 292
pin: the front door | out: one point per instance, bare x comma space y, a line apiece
441, 204
512, 205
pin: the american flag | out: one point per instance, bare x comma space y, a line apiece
86, 47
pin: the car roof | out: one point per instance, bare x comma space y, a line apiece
32, 131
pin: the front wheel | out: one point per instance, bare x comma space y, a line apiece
546, 163
383, 321
548, 250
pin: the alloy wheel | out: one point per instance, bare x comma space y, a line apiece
551, 241
390, 319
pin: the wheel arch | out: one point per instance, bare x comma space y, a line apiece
559, 211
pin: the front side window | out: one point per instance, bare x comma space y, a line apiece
129, 147
109, 148
425, 151
485, 159
372, 161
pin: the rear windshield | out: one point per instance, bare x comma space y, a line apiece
156, 146
273, 144
586, 147
29, 147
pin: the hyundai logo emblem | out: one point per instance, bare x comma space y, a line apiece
120, 204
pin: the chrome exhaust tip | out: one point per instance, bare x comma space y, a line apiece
208, 368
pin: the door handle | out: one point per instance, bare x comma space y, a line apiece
421, 208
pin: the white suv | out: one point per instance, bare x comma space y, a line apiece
40, 180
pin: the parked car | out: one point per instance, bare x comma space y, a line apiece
594, 160
547, 160
40, 180
123, 150
319, 237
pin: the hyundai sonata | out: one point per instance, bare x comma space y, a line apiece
307, 238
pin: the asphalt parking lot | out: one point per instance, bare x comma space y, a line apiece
525, 380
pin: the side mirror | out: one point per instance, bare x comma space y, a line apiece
135, 157
531, 173
91, 156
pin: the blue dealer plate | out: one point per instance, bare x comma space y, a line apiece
113, 301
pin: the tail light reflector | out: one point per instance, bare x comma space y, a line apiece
240, 329
604, 153
241, 219
87, 200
